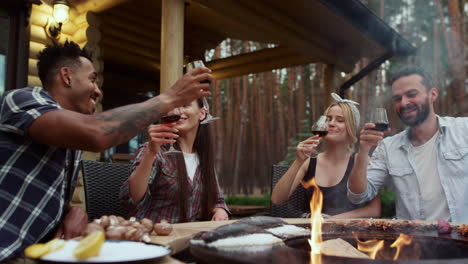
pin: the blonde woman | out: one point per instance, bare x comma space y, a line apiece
331, 168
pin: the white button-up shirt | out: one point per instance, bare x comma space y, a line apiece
393, 164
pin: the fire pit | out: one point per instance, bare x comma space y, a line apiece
427, 246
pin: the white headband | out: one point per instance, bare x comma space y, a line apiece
352, 104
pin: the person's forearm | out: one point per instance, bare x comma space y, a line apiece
372, 209
358, 177
138, 181
99, 131
123, 123
284, 187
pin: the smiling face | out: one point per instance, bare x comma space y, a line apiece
83, 91
190, 117
412, 100
337, 131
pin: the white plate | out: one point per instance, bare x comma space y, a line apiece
112, 251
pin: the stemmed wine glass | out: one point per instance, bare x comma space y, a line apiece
379, 118
319, 128
209, 118
171, 117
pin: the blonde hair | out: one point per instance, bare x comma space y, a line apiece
350, 121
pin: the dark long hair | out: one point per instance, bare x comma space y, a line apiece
203, 147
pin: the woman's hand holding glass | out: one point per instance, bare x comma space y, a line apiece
307, 148
161, 134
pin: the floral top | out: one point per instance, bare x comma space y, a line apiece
160, 200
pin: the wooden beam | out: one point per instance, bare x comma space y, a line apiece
172, 42
260, 66
127, 28
130, 48
95, 5
115, 35
330, 80
122, 57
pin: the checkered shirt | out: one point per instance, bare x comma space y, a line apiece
34, 178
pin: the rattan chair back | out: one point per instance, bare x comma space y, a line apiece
102, 181
295, 206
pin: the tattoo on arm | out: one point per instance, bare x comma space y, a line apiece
123, 123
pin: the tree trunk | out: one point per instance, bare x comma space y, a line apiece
458, 68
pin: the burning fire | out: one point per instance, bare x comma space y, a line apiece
316, 221
370, 247
402, 240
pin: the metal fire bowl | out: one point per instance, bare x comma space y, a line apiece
431, 246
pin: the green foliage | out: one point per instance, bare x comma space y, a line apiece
248, 200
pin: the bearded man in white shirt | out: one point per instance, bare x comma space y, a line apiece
426, 164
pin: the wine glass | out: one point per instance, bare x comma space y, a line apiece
380, 119
319, 128
171, 117
209, 118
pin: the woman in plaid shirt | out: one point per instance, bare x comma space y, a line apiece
177, 187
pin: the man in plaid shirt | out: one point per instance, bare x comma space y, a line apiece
42, 131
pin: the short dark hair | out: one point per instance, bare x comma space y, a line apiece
413, 69
55, 56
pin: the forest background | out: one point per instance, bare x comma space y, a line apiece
265, 115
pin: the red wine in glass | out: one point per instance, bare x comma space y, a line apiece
170, 119
320, 133
382, 127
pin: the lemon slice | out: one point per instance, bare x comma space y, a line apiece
90, 246
37, 250
56, 244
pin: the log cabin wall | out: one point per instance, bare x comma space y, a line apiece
82, 28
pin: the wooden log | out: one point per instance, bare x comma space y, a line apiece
44, 8
172, 42
32, 67
118, 35
128, 28
35, 48
261, 66
135, 20
122, 58
38, 18
38, 34
340, 248
130, 48
87, 34
98, 5
88, 18
34, 81
252, 57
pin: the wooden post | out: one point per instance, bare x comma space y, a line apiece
330, 81
172, 42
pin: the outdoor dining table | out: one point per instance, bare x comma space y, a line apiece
179, 238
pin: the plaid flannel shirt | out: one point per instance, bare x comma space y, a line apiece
34, 179
159, 202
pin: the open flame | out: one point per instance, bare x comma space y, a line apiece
316, 220
400, 242
370, 247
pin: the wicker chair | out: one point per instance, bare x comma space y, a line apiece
295, 206
102, 181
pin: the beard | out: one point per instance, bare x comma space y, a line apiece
421, 115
